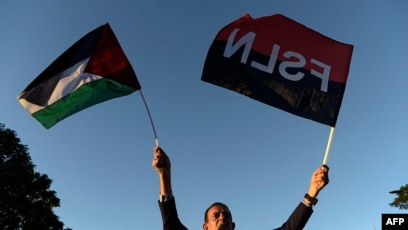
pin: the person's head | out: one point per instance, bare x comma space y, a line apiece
217, 217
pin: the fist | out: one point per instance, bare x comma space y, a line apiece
320, 178
161, 162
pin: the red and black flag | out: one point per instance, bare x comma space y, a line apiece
282, 63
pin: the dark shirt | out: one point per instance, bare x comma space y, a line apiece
296, 221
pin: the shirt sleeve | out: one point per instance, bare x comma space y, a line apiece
298, 219
169, 215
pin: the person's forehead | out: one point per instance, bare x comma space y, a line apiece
218, 208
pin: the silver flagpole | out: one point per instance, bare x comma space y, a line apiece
150, 117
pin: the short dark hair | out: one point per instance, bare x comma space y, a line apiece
215, 204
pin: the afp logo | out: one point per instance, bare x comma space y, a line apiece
394, 221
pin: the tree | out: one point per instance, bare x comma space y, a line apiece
401, 201
26, 201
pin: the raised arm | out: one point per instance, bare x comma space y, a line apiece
167, 204
161, 163
299, 217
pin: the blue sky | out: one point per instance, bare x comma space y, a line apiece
223, 146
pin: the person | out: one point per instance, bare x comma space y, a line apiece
218, 216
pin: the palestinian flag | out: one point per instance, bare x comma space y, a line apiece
93, 70
282, 63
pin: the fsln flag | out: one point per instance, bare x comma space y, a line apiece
93, 70
282, 63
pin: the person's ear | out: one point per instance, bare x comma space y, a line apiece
233, 225
205, 226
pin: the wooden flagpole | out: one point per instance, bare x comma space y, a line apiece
150, 117
326, 155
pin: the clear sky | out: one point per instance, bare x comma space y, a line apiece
223, 146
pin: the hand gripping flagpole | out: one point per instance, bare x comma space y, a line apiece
150, 117
326, 155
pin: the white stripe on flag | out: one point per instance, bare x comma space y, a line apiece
69, 80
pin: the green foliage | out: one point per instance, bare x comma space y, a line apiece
26, 201
401, 201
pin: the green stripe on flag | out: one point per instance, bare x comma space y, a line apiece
85, 96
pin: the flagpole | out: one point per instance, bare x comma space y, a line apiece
150, 117
326, 155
